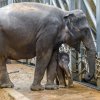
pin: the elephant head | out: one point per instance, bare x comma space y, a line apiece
80, 32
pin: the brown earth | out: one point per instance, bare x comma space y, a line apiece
23, 79
4, 95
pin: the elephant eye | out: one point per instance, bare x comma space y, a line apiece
63, 59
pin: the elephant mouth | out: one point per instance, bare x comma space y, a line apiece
75, 44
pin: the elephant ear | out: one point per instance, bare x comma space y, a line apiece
70, 20
69, 17
76, 20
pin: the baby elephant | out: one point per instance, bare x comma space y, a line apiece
63, 71
59, 62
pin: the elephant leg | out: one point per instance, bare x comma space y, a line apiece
70, 80
4, 77
52, 73
57, 80
61, 77
44, 47
41, 65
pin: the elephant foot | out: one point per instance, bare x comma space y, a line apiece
70, 83
37, 87
51, 87
88, 77
7, 84
62, 86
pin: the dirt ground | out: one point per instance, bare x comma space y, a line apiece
23, 78
4, 95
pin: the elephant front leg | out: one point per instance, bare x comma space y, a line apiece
44, 47
4, 78
41, 65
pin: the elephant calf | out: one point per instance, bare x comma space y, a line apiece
63, 71
60, 62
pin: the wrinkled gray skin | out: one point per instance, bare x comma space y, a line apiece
30, 29
61, 61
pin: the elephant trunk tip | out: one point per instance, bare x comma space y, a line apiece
88, 77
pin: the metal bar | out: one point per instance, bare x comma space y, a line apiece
89, 85
14, 1
70, 56
50, 2
98, 26
61, 4
79, 2
71, 4
83, 7
46, 1
94, 2
67, 1
90, 12
54, 3
10, 1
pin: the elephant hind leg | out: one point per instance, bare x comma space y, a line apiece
52, 73
4, 77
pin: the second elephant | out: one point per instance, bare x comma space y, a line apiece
63, 70
60, 61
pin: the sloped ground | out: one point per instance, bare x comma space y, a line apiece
23, 79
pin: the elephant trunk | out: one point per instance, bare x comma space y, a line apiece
91, 54
91, 61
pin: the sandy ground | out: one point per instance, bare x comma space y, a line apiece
23, 79
4, 95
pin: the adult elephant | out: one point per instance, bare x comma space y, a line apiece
31, 29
